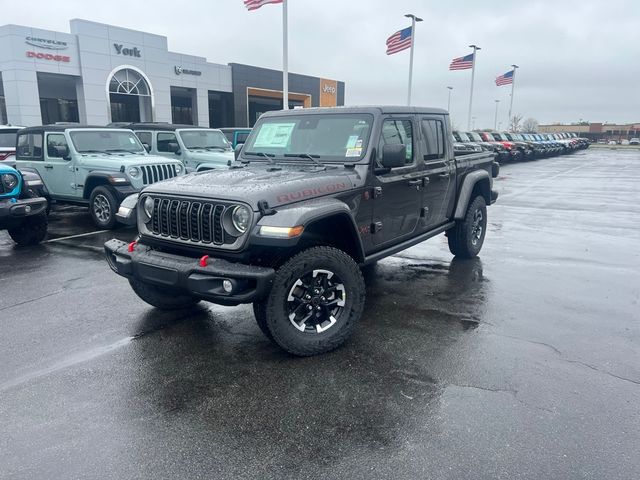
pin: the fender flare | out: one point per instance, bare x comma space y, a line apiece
31, 176
104, 178
313, 211
468, 184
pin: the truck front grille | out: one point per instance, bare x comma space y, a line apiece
188, 220
156, 173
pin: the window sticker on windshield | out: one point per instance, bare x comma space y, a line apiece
274, 135
132, 141
353, 152
359, 143
351, 143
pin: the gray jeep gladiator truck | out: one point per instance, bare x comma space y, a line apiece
313, 196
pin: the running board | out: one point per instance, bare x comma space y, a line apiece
406, 244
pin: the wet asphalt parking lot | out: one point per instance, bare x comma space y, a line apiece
524, 363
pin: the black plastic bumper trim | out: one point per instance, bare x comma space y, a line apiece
250, 283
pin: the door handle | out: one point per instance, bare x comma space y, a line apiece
48, 167
444, 175
414, 183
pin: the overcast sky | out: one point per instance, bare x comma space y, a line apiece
578, 59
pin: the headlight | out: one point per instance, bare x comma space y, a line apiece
9, 181
178, 169
147, 208
240, 216
134, 172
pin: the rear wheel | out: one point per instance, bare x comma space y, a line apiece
260, 313
316, 299
103, 207
467, 236
162, 298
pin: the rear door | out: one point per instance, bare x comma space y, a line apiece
397, 193
439, 165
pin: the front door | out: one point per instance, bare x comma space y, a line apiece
397, 193
439, 165
57, 172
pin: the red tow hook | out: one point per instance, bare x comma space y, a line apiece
132, 246
203, 260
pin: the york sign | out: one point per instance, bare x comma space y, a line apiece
129, 52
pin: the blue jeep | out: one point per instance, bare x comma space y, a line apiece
22, 212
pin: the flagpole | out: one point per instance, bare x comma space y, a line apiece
513, 85
473, 74
285, 58
414, 19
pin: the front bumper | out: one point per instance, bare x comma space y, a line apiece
184, 274
12, 210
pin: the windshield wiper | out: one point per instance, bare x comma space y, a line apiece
268, 156
95, 151
313, 158
120, 150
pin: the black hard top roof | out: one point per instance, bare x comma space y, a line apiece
63, 127
161, 126
374, 109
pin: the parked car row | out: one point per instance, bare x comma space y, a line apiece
99, 167
518, 146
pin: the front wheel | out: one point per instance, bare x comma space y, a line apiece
467, 236
103, 207
31, 231
316, 299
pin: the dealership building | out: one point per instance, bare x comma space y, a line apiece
99, 74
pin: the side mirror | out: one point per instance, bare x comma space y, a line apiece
394, 156
62, 151
237, 150
146, 146
173, 147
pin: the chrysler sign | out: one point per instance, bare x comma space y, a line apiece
46, 43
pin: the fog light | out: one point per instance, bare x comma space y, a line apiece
27, 209
227, 285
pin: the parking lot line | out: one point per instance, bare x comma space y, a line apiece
75, 236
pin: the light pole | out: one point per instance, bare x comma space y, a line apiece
473, 74
513, 85
473, 123
414, 19
449, 101
495, 120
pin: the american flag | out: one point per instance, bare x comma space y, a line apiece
401, 40
462, 63
255, 4
505, 79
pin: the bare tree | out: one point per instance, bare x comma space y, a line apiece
514, 123
530, 125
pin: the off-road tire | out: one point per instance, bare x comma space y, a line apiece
463, 239
31, 231
260, 314
103, 194
162, 298
304, 263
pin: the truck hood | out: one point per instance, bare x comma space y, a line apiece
277, 184
116, 161
213, 156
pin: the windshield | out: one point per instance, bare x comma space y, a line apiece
475, 137
338, 136
490, 137
8, 139
204, 139
96, 141
498, 137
